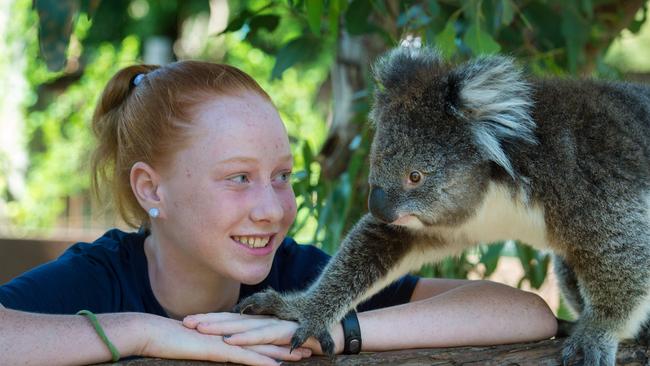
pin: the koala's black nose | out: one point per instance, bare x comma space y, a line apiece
379, 205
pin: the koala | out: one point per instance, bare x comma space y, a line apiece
479, 152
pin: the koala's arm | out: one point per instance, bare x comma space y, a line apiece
372, 256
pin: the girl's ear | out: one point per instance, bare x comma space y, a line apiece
144, 183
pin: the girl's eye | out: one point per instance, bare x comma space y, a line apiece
242, 178
285, 177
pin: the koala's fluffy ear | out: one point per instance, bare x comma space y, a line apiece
491, 93
405, 65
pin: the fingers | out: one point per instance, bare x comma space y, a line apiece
279, 334
281, 353
192, 321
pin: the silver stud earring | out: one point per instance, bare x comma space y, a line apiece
154, 212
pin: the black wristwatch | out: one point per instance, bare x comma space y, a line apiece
351, 333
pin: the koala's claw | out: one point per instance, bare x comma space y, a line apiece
598, 348
323, 337
290, 307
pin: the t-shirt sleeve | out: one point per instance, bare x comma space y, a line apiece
301, 265
64, 286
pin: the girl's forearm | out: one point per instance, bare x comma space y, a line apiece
41, 339
479, 313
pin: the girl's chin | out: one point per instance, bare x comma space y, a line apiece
254, 274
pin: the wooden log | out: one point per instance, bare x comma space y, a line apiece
544, 353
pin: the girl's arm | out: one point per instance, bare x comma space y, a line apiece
29, 338
447, 313
442, 313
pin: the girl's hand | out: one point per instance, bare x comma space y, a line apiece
170, 339
249, 330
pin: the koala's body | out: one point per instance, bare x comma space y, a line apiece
477, 153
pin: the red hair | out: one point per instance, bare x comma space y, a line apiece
148, 122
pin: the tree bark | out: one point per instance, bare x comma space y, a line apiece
546, 353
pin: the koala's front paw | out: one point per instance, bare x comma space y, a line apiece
291, 307
598, 347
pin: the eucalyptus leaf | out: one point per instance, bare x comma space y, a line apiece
356, 17
479, 41
490, 257
238, 22
445, 41
314, 14
507, 12
268, 21
295, 51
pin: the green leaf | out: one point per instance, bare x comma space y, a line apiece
479, 41
445, 41
639, 19
297, 50
336, 7
507, 12
238, 22
576, 34
587, 8
490, 257
434, 8
356, 17
534, 263
268, 21
314, 14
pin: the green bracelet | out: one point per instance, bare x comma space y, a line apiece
115, 354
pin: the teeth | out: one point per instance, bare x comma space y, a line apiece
253, 242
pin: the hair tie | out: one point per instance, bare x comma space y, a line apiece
138, 79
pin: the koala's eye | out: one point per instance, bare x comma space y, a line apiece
415, 176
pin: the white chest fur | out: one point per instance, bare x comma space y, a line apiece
500, 217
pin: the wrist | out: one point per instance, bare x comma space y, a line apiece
147, 328
351, 333
338, 337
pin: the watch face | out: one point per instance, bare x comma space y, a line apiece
354, 346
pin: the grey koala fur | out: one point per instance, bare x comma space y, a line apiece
560, 164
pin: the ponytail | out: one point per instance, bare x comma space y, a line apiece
106, 122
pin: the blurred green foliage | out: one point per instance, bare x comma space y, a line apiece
289, 47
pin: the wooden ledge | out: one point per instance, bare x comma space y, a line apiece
535, 353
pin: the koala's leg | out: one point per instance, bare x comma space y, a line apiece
613, 279
372, 256
568, 283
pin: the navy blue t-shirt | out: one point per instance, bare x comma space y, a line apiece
110, 275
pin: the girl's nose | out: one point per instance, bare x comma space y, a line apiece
268, 207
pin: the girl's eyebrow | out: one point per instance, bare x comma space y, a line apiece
244, 159
237, 159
